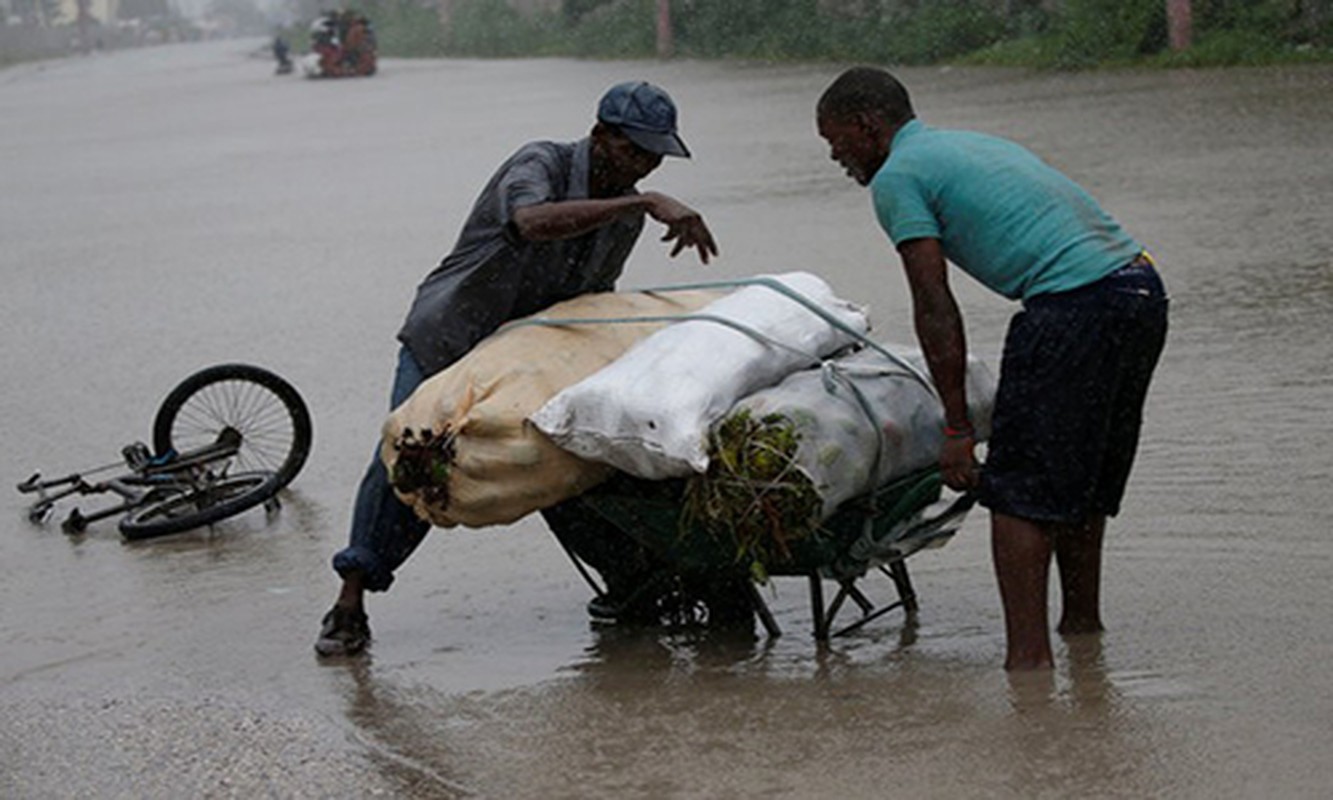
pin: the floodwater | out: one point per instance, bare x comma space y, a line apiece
169, 208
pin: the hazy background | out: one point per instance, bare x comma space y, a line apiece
166, 208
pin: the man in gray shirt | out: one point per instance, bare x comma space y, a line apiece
555, 221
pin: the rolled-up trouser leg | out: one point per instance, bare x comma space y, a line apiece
384, 531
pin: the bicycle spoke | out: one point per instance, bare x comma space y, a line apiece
260, 416
272, 421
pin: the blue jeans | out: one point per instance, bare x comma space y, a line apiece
384, 531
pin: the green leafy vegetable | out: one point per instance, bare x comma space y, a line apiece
753, 494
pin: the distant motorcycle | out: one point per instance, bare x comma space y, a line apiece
342, 45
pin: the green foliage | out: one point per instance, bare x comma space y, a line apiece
1071, 34
493, 29
943, 30
803, 29
1235, 48
1226, 33
1229, 47
422, 464
619, 29
405, 28
751, 29
1089, 32
1030, 51
753, 495
1025, 19
1263, 18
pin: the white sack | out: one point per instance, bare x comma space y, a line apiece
648, 413
839, 448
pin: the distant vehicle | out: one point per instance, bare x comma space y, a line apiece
342, 45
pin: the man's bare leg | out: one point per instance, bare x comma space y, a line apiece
1021, 551
1078, 555
352, 594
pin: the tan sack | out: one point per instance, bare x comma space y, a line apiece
490, 466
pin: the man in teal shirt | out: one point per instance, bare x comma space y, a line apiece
1078, 357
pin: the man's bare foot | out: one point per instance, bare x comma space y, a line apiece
1079, 626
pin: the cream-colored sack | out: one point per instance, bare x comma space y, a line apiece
490, 466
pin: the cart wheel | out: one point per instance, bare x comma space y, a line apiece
715, 602
267, 412
198, 507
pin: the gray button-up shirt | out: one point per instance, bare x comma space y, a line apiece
493, 275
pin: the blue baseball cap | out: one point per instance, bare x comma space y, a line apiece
645, 114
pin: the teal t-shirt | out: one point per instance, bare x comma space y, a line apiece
1001, 214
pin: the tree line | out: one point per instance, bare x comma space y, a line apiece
1049, 33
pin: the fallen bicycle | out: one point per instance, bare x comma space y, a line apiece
226, 439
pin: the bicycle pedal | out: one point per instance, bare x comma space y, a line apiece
39, 515
74, 523
137, 455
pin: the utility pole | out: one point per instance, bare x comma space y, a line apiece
664, 44
444, 11
1179, 24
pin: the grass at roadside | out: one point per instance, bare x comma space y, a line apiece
1220, 49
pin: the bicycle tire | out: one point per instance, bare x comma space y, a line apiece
268, 412
194, 508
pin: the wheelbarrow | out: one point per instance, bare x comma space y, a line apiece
871, 534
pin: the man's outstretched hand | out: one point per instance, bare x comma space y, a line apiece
685, 226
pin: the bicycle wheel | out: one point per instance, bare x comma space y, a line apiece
193, 508
267, 412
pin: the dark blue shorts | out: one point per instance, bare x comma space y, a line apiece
1069, 405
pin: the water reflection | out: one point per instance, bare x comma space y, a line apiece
642, 652
1090, 687
1082, 685
383, 721
650, 713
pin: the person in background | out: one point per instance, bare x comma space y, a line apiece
556, 220
1078, 357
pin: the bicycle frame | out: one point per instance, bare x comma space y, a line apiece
148, 477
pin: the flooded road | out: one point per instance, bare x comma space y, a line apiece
165, 209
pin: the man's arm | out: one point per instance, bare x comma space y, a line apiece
569, 218
939, 329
